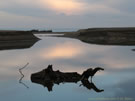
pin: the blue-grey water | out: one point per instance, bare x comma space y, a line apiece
68, 55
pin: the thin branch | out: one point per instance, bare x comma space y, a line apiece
20, 70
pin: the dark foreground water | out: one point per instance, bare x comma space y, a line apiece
68, 55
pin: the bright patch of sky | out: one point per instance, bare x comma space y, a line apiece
29, 14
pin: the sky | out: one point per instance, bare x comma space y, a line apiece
53, 14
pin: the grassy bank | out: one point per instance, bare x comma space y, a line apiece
16, 35
105, 36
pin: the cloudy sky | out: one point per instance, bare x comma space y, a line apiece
40, 14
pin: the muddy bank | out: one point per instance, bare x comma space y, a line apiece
16, 40
10, 45
105, 36
16, 36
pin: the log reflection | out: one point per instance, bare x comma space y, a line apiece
48, 77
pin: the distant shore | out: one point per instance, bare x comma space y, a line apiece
103, 36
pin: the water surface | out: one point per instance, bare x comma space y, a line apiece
68, 55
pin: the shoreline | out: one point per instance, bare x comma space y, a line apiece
16, 36
105, 36
102, 36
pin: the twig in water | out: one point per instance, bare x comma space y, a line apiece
20, 81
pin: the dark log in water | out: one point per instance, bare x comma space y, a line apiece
48, 77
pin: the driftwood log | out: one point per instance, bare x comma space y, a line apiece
48, 77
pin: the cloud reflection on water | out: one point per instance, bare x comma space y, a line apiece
76, 56
70, 55
66, 50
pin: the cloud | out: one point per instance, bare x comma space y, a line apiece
66, 13
7, 20
125, 89
77, 7
67, 7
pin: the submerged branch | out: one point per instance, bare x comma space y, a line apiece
22, 75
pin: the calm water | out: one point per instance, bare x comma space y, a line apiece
68, 55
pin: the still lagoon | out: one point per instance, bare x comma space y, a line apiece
68, 55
